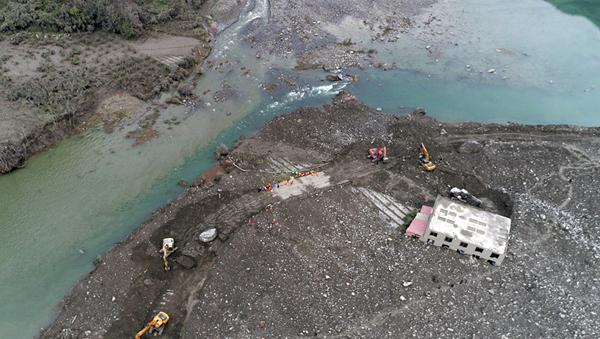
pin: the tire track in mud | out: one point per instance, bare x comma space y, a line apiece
584, 162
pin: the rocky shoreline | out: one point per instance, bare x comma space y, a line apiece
321, 259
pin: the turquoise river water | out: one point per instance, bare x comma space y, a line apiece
75, 201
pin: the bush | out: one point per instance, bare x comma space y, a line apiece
186, 90
408, 218
56, 93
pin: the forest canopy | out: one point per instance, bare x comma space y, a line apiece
129, 19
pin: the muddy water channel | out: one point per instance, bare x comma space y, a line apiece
75, 201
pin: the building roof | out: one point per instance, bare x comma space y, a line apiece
419, 223
417, 227
426, 209
469, 224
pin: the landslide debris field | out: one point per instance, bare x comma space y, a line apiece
326, 256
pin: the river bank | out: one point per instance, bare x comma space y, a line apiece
320, 258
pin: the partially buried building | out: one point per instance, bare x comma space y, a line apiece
463, 228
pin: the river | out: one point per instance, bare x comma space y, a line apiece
75, 201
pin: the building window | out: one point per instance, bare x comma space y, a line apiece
445, 246
448, 239
433, 234
479, 249
464, 244
495, 255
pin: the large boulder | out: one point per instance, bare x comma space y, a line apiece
221, 151
334, 77
208, 235
419, 111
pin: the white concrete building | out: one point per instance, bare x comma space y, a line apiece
468, 230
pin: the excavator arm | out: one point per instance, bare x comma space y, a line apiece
165, 255
168, 247
140, 333
425, 153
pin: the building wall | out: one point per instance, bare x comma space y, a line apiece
443, 240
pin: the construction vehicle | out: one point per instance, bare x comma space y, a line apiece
168, 247
377, 154
156, 325
424, 159
464, 196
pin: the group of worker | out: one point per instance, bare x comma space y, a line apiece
304, 174
269, 187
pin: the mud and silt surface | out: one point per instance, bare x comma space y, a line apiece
327, 263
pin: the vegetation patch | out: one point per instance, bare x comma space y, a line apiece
57, 93
408, 218
145, 129
142, 136
129, 19
138, 76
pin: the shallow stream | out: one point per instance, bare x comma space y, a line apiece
75, 201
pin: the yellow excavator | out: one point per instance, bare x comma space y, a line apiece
425, 162
168, 247
156, 325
